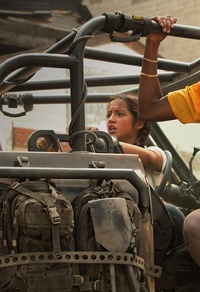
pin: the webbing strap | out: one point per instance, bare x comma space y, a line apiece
56, 239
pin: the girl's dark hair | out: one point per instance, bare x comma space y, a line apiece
132, 103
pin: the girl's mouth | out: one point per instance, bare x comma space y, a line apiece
111, 130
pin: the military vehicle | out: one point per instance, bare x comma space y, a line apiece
94, 157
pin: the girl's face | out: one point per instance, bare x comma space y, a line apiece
121, 123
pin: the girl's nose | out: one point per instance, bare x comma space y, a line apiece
111, 117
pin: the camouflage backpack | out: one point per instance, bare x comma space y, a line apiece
107, 229
36, 233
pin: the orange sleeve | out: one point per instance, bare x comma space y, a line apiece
185, 103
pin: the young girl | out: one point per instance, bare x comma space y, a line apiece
133, 133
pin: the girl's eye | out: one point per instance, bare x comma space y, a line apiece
119, 114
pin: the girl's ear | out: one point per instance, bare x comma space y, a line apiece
139, 124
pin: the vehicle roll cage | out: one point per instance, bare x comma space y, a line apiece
69, 53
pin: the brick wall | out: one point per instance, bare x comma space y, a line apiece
188, 13
21, 137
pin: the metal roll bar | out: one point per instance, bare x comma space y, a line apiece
74, 48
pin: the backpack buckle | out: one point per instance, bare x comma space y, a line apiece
13, 185
53, 214
97, 285
77, 280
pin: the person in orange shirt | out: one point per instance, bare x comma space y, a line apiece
183, 105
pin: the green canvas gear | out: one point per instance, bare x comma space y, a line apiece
108, 222
36, 230
163, 227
